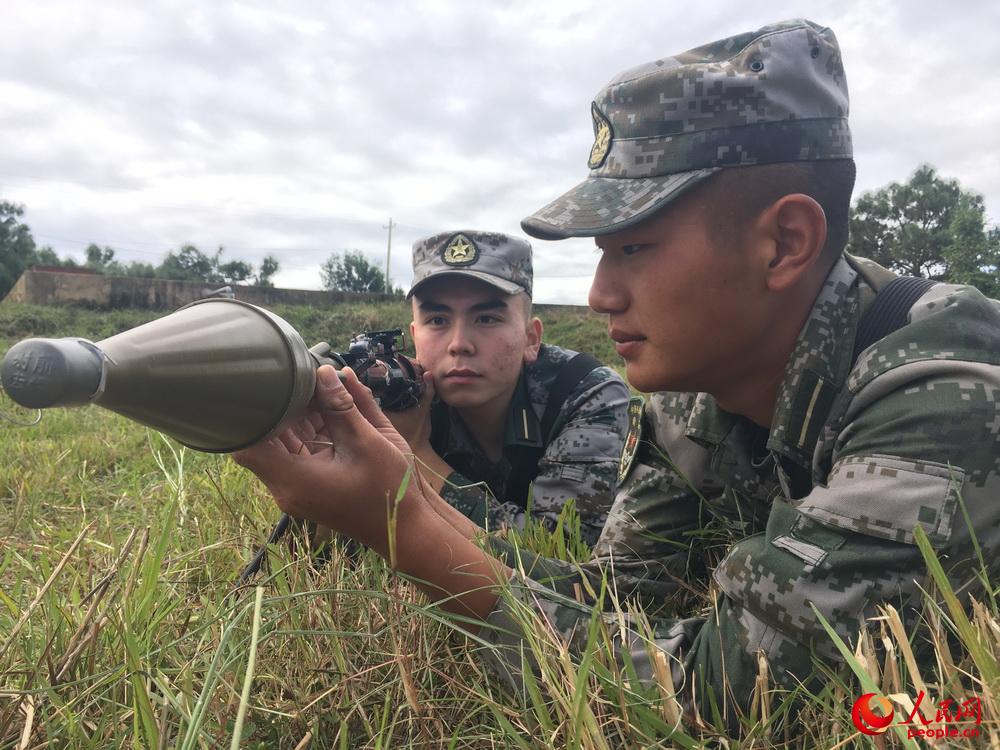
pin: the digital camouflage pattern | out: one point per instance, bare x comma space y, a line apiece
580, 462
820, 511
778, 94
501, 260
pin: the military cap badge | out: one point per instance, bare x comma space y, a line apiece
602, 138
460, 251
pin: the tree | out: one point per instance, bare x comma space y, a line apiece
931, 227
46, 256
188, 264
351, 272
973, 254
231, 272
18, 252
17, 246
191, 264
268, 267
140, 270
234, 271
102, 260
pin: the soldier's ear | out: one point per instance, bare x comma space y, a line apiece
534, 343
790, 236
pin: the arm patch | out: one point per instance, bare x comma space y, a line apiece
632, 439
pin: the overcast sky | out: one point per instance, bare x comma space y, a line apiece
299, 128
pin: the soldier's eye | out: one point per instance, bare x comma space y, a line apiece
632, 249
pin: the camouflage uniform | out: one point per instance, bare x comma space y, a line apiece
820, 510
579, 462
826, 504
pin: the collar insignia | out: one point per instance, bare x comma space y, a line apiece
460, 251
602, 138
633, 438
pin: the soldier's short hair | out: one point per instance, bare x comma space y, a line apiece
740, 194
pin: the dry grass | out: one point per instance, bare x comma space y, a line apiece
118, 626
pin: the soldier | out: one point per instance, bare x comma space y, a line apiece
513, 417
811, 406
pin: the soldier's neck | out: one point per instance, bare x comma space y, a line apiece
755, 402
753, 392
486, 423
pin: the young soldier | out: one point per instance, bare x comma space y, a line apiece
793, 405
518, 426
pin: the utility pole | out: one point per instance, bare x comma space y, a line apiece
388, 253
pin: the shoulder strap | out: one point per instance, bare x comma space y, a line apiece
525, 460
569, 377
889, 310
440, 427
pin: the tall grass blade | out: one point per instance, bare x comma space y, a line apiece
241, 714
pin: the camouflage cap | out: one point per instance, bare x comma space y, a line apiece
498, 259
774, 95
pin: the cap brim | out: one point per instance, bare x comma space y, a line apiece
602, 205
507, 287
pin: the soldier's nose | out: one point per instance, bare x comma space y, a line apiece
606, 296
460, 343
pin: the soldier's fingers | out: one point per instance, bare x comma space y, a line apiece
264, 458
292, 442
428, 397
296, 429
304, 430
365, 402
307, 434
337, 404
316, 420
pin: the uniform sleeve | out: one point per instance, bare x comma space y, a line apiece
477, 503
900, 455
581, 462
654, 536
473, 499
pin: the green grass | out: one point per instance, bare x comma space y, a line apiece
571, 327
118, 626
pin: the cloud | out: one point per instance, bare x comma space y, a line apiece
299, 130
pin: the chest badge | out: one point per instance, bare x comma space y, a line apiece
460, 251
602, 138
631, 447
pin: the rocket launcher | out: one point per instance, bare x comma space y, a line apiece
217, 375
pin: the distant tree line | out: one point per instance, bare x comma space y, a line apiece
351, 271
18, 252
927, 226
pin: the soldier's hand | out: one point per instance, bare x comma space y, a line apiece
414, 424
340, 465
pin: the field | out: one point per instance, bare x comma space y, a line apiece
119, 625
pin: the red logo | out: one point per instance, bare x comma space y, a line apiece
950, 719
867, 720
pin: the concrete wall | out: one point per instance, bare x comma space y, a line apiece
105, 292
